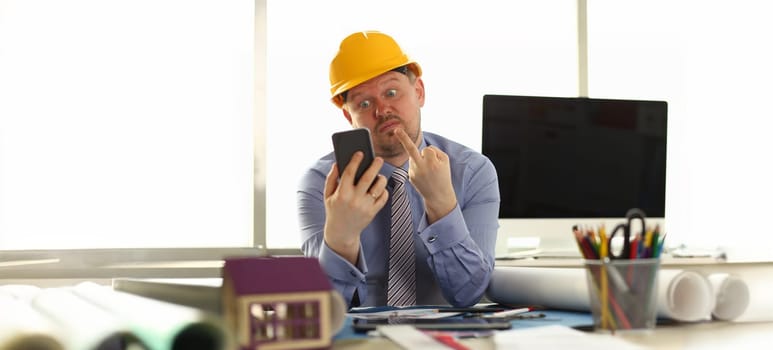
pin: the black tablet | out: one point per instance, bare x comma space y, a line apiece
448, 323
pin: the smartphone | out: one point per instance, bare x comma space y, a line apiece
345, 143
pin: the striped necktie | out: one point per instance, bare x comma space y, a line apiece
401, 288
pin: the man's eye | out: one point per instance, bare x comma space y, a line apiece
391, 92
364, 104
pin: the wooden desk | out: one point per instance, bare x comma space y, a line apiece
665, 262
752, 331
710, 335
756, 274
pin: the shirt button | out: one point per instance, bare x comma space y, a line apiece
432, 239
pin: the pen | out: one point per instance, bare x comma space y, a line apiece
471, 309
614, 275
606, 317
508, 313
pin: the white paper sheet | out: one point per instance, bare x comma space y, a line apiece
408, 337
420, 313
559, 337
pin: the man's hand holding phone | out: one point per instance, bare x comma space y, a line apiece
354, 192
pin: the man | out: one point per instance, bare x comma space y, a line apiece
452, 191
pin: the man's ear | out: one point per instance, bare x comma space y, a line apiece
419, 86
347, 115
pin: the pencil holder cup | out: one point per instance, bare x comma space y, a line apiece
623, 293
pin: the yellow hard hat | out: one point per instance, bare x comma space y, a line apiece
362, 56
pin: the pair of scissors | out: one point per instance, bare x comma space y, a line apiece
626, 227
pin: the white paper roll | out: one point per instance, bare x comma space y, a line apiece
22, 292
731, 295
21, 327
682, 295
760, 308
561, 288
159, 324
83, 325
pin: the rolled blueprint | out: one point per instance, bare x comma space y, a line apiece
23, 292
23, 328
760, 287
560, 288
682, 295
159, 324
83, 326
731, 294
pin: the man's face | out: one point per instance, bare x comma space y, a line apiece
383, 104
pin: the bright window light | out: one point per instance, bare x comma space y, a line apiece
126, 124
708, 60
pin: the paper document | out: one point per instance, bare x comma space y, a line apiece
559, 337
427, 314
408, 337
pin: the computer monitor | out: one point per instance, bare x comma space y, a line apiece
563, 161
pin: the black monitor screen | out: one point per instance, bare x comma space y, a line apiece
559, 157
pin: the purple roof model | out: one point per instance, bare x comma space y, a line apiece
261, 275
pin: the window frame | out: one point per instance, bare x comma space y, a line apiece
27, 266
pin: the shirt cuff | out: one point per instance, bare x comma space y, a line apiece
340, 269
444, 233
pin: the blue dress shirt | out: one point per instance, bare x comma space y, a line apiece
454, 255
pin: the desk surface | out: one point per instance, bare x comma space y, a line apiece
665, 262
756, 331
708, 335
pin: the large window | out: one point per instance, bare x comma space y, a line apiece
126, 124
